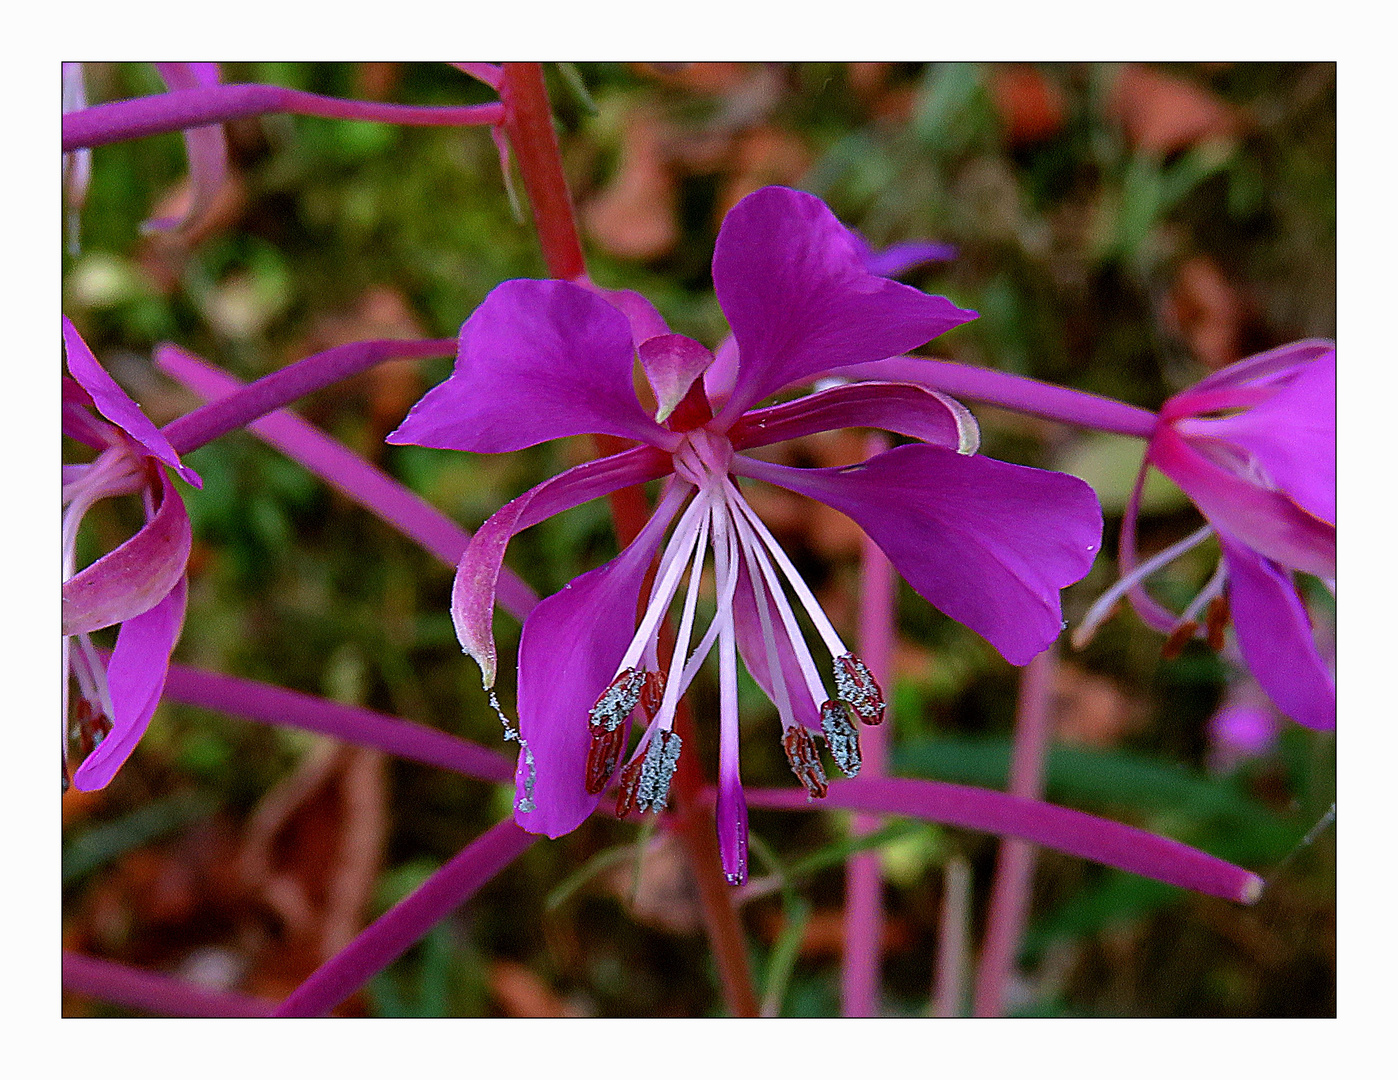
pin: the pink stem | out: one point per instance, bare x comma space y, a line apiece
350, 474
394, 933
180, 110
148, 991
953, 932
859, 981
275, 705
1014, 869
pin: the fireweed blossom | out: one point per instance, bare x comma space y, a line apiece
1253, 446
140, 584
988, 543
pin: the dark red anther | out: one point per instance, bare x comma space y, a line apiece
615, 703
1217, 622
630, 784
1178, 639
653, 693
804, 760
602, 756
855, 686
92, 726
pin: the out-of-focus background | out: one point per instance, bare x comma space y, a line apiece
1121, 228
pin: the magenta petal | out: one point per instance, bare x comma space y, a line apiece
206, 147
645, 321
135, 678
1266, 521
568, 654
986, 542
1264, 369
903, 408
672, 363
1291, 436
473, 590
1057, 827
538, 360
753, 649
134, 577
116, 405
792, 282
1274, 636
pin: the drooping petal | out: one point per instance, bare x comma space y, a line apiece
135, 678
116, 405
1291, 436
1070, 831
753, 649
1265, 369
134, 577
791, 280
207, 148
1267, 521
1274, 636
473, 590
986, 542
898, 259
905, 409
568, 654
672, 362
538, 360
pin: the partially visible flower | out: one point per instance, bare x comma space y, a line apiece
1244, 727
140, 584
988, 543
1253, 446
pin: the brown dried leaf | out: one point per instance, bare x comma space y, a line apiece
1163, 113
1093, 710
1207, 311
635, 217
1031, 106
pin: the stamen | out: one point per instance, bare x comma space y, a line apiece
841, 736
674, 683
630, 784
602, 756
90, 726
805, 761
1106, 603
1217, 622
755, 555
803, 593
677, 552
855, 685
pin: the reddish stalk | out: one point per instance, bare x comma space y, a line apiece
859, 979
529, 125
1014, 868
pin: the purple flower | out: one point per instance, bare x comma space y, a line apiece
1253, 446
140, 585
1244, 727
988, 543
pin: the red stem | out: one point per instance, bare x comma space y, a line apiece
529, 125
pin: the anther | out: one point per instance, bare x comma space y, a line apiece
1178, 639
602, 756
653, 693
645, 783
841, 736
1217, 622
616, 702
805, 761
92, 726
855, 685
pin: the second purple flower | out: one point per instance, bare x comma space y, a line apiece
988, 543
